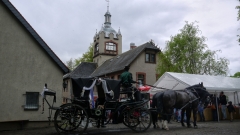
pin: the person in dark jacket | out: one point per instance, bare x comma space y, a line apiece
214, 101
126, 81
223, 103
126, 78
231, 110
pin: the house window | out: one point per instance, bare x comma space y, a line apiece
118, 77
141, 77
96, 49
65, 86
150, 58
32, 101
111, 46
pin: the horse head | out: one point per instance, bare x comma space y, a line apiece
202, 93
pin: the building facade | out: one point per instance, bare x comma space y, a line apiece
26, 64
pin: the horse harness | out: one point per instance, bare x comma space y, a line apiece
191, 101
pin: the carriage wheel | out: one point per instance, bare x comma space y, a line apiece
140, 119
71, 118
127, 117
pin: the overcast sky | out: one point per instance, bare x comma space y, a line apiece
68, 26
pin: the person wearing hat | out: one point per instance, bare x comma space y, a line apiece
126, 81
126, 78
223, 103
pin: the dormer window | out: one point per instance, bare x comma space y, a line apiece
111, 46
150, 58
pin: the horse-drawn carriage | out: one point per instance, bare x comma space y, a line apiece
75, 117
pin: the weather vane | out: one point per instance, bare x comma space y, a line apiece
108, 4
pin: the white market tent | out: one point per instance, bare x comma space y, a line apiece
214, 84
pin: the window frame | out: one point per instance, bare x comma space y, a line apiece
32, 101
96, 49
148, 57
144, 77
107, 46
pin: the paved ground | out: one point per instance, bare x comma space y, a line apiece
204, 128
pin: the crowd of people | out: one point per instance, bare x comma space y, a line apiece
223, 106
219, 103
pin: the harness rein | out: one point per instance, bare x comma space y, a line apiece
189, 102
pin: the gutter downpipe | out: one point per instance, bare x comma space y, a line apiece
217, 106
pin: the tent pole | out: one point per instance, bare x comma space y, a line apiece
217, 106
234, 97
238, 99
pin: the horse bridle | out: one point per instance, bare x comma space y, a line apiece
200, 99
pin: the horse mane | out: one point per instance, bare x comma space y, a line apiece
200, 85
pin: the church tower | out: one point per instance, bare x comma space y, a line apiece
107, 42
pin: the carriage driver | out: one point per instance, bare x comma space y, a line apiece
126, 81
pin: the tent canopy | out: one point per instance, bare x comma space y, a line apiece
175, 81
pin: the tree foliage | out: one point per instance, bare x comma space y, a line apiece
187, 52
236, 75
86, 57
70, 64
238, 18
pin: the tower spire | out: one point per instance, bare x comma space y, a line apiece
107, 5
107, 16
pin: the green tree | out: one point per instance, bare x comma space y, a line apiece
187, 52
238, 18
70, 64
236, 75
86, 57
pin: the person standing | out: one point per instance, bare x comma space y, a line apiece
223, 103
213, 104
126, 81
200, 112
126, 78
231, 109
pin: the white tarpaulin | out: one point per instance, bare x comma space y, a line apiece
213, 84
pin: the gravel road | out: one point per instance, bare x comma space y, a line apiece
204, 128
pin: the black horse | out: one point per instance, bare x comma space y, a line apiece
186, 100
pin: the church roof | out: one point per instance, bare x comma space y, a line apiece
107, 29
35, 35
118, 63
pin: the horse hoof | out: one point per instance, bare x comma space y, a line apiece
183, 125
189, 126
195, 127
165, 128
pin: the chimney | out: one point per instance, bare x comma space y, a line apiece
132, 46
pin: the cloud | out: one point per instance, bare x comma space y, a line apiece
68, 27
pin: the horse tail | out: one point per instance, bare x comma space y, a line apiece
160, 102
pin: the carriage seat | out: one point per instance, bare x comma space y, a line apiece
132, 93
127, 90
113, 90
